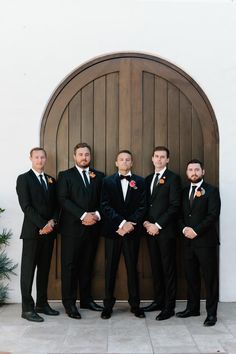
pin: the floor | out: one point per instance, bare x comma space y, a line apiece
123, 333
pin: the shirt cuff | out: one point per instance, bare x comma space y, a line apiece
121, 224
98, 215
83, 216
159, 227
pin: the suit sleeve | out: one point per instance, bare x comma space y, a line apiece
24, 197
174, 203
64, 198
107, 210
213, 212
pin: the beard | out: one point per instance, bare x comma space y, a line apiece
195, 179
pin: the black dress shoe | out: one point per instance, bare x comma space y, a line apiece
165, 314
47, 310
138, 312
106, 313
91, 306
154, 306
32, 316
72, 312
187, 313
210, 321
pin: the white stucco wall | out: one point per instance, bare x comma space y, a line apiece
43, 41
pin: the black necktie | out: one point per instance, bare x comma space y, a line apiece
125, 177
43, 183
155, 183
191, 198
86, 182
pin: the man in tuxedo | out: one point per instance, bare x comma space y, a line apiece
200, 212
123, 205
79, 196
37, 197
164, 194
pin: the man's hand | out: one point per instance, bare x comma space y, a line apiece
46, 229
189, 232
121, 232
128, 226
90, 219
151, 228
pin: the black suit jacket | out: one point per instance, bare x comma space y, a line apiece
38, 207
115, 209
164, 203
202, 217
75, 199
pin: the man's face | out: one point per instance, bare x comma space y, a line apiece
194, 172
38, 160
160, 160
82, 157
124, 162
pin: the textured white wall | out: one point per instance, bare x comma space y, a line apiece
42, 42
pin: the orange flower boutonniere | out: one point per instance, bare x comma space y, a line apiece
50, 180
162, 180
92, 174
200, 192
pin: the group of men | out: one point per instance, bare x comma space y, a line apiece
121, 207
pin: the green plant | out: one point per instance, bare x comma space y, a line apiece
7, 266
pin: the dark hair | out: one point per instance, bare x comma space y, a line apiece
196, 161
82, 145
37, 149
161, 148
124, 151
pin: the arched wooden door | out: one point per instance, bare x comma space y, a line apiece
128, 101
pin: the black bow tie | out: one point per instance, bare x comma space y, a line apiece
126, 177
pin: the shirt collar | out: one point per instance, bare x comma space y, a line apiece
161, 172
82, 169
197, 184
38, 173
127, 174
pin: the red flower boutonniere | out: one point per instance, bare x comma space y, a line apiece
200, 192
50, 180
162, 180
132, 184
92, 174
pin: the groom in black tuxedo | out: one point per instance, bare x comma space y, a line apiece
37, 197
123, 204
164, 194
200, 213
79, 191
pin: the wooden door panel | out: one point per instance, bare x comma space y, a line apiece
128, 101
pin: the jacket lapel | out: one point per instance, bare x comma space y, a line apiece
119, 188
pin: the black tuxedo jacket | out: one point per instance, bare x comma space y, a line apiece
75, 199
164, 203
202, 217
38, 207
115, 209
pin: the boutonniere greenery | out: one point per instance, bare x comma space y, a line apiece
50, 180
92, 174
162, 180
132, 184
201, 191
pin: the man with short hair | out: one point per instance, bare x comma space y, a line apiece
37, 197
123, 205
200, 213
79, 191
164, 193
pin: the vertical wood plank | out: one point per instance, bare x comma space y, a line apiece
87, 128
125, 104
100, 123
74, 108
161, 111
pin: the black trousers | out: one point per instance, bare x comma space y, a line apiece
129, 246
77, 261
36, 253
163, 263
204, 259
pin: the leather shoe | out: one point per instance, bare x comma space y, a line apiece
165, 314
72, 312
154, 306
138, 312
210, 321
187, 313
32, 316
106, 313
47, 310
91, 306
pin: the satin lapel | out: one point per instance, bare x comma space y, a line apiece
198, 199
129, 191
186, 198
37, 183
119, 188
80, 179
159, 186
149, 182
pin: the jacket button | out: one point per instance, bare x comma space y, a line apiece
150, 205
190, 215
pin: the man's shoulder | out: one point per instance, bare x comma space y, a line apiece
137, 177
97, 173
171, 173
25, 175
68, 172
